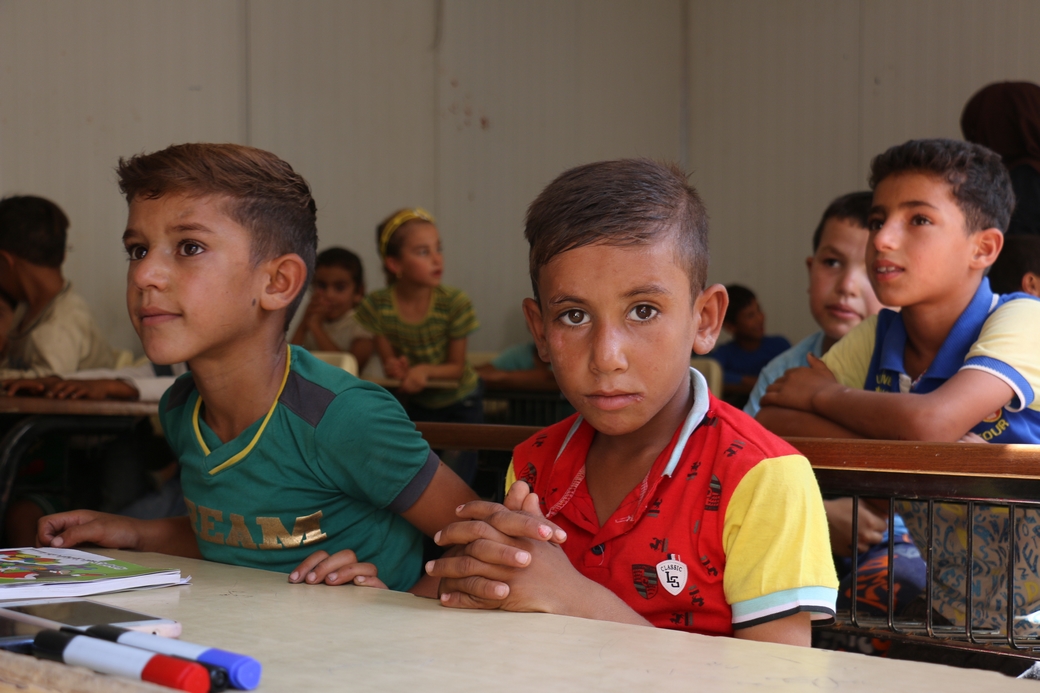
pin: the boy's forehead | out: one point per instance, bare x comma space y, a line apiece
908, 187
840, 233
650, 264
175, 209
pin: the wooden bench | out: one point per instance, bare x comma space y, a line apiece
1000, 475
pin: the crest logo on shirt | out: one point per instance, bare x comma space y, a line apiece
995, 416
529, 474
672, 574
714, 494
644, 577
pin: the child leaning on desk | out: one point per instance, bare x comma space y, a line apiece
957, 362
679, 510
285, 459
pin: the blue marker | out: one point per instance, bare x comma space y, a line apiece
243, 672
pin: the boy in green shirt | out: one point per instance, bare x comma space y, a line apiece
285, 460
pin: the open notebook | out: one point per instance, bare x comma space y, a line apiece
51, 573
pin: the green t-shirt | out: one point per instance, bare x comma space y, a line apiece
333, 468
450, 316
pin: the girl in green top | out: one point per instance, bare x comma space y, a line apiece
421, 327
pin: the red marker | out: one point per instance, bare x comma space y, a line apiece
120, 660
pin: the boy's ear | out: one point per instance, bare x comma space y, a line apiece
285, 277
988, 243
533, 316
710, 307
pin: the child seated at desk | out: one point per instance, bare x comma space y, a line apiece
329, 323
956, 362
285, 459
679, 511
53, 330
743, 357
421, 328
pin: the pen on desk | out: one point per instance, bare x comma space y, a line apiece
121, 660
242, 672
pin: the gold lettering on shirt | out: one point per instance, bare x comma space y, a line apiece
206, 518
275, 536
309, 528
193, 514
306, 530
239, 534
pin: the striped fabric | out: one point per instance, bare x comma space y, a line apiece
450, 316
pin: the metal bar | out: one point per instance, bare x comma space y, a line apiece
891, 563
854, 590
970, 582
1011, 563
929, 571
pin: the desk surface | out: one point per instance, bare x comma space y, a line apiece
75, 407
319, 637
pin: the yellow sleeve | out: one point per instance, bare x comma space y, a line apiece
1006, 348
778, 552
849, 359
510, 478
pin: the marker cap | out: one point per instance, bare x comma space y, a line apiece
243, 672
176, 673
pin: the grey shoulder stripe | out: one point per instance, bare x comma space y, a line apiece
307, 400
410, 493
179, 392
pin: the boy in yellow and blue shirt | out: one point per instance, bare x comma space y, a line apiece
957, 362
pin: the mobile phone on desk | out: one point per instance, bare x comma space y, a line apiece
83, 613
17, 636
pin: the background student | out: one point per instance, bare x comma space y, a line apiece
421, 327
329, 323
743, 357
52, 329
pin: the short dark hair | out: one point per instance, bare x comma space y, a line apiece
977, 178
34, 229
740, 297
1020, 254
853, 207
622, 202
345, 259
266, 196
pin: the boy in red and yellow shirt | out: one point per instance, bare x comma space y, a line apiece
671, 508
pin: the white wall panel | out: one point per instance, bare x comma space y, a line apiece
527, 89
923, 59
774, 136
83, 83
344, 91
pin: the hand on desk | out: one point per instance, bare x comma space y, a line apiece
508, 557
57, 388
797, 388
65, 530
340, 568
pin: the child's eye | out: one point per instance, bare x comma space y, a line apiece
136, 252
875, 224
190, 248
918, 220
575, 317
642, 313
832, 262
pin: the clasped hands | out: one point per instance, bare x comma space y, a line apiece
505, 557
800, 388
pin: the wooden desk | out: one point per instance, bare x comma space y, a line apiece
394, 383
312, 638
75, 407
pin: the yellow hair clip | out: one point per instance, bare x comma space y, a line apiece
397, 221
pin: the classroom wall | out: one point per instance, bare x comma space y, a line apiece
469, 107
